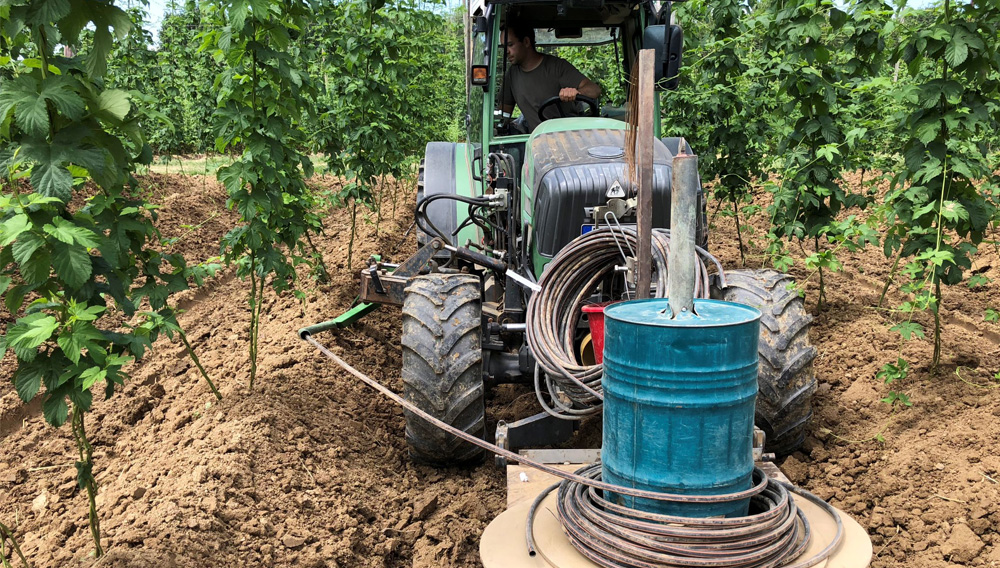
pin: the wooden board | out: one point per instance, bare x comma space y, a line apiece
525, 483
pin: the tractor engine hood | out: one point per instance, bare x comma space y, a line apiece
574, 170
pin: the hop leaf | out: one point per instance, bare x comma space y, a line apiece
72, 264
29, 332
53, 180
55, 410
47, 11
956, 52
114, 102
28, 98
909, 329
71, 233
28, 381
12, 228
91, 376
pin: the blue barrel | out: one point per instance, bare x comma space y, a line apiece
679, 403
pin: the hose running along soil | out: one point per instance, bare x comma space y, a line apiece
614, 536
554, 311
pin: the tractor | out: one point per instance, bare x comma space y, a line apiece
495, 210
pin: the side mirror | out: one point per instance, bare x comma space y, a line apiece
668, 42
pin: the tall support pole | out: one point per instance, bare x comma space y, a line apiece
644, 169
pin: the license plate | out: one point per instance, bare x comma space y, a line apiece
586, 229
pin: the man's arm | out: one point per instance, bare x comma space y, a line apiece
507, 95
586, 88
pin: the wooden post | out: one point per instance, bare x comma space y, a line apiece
644, 169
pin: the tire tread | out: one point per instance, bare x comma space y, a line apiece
786, 380
442, 366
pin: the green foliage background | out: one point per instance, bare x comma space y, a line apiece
784, 95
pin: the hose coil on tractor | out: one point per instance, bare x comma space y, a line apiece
554, 312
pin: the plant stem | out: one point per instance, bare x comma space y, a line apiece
197, 362
254, 319
937, 322
739, 234
5, 535
323, 274
892, 276
354, 230
378, 197
822, 284
85, 475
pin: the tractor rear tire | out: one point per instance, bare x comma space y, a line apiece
786, 381
442, 366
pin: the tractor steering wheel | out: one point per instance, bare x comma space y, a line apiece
592, 103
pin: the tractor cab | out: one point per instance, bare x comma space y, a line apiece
567, 169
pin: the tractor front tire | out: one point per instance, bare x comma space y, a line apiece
442, 366
786, 381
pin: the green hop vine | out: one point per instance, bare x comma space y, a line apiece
939, 208
819, 55
262, 100
75, 239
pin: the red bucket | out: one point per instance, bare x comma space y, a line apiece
595, 319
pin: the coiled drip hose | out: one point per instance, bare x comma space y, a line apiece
554, 311
617, 537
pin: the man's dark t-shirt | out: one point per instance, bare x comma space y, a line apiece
529, 89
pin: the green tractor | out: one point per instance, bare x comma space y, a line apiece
493, 211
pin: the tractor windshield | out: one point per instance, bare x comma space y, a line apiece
596, 52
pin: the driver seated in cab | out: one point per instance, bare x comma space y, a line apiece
534, 77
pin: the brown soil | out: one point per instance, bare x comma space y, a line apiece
309, 468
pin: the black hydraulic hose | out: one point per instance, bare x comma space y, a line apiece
424, 222
600, 529
529, 527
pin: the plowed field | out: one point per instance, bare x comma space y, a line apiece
310, 468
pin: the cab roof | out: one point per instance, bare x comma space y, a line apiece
568, 13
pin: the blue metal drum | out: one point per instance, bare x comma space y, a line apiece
679, 403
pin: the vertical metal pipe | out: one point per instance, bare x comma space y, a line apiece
683, 217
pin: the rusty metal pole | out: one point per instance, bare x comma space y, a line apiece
644, 169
